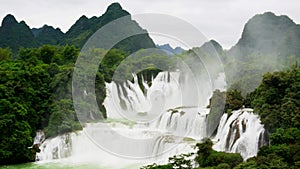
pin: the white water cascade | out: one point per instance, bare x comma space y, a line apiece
241, 132
150, 125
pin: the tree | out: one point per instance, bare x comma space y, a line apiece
62, 119
277, 99
5, 54
234, 100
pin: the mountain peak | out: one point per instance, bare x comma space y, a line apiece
212, 46
8, 20
45, 26
216, 44
114, 7
83, 17
16, 34
260, 25
271, 16
115, 11
263, 34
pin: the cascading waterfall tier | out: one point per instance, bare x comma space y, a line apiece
168, 90
56, 148
80, 148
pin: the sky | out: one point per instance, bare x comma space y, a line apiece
221, 20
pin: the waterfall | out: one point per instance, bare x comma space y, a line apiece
150, 123
39, 137
56, 148
188, 122
241, 132
168, 90
79, 148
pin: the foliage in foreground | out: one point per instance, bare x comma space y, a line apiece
205, 157
26, 92
277, 99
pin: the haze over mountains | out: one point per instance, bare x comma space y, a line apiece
267, 34
268, 43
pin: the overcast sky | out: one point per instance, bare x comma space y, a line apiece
222, 20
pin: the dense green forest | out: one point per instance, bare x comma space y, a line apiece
35, 94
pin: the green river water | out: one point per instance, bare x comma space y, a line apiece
50, 166
60, 166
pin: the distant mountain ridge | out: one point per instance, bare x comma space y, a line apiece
15, 35
169, 49
48, 35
